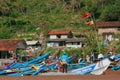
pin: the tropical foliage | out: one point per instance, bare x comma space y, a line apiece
27, 16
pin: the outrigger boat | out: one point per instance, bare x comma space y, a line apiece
96, 68
38, 69
17, 67
27, 70
34, 61
116, 59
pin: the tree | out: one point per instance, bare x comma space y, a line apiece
111, 12
5, 33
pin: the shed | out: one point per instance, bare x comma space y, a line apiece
8, 45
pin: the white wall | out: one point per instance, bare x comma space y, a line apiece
53, 37
64, 36
107, 30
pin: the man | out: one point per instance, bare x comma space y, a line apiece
64, 59
95, 56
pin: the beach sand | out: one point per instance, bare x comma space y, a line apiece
109, 75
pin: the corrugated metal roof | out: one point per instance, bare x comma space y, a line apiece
108, 24
10, 44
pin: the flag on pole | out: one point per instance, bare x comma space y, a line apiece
87, 14
90, 23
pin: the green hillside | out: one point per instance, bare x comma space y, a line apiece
27, 18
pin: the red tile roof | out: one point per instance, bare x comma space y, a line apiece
55, 32
9, 44
108, 24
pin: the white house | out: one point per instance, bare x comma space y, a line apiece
63, 38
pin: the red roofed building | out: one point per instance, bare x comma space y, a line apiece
63, 38
8, 45
60, 34
108, 28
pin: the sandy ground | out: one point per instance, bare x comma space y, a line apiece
109, 75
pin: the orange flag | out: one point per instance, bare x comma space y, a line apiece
90, 23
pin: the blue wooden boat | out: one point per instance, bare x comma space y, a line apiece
27, 70
43, 68
15, 67
116, 58
96, 68
53, 66
116, 67
34, 61
76, 66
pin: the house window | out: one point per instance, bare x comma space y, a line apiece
78, 43
59, 36
4, 55
74, 43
